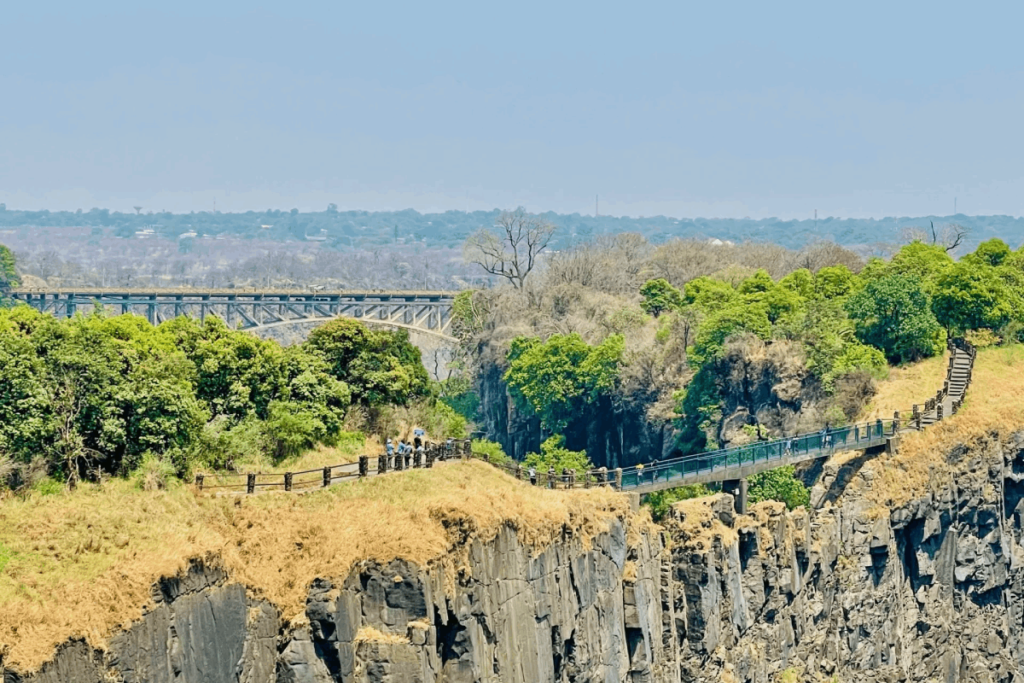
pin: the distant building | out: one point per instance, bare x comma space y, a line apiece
321, 237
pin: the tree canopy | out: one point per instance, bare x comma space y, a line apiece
97, 393
558, 376
893, 313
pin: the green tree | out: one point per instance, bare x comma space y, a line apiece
726, 322
469, 314
554, 454
660, 297
380, 367
992, 252
8, 269
923, 260
834, 282
894, 314
559, 376
709, 294
237, 373
800, 282
778, 484
760, 281
492, 452
970, 295
832, 348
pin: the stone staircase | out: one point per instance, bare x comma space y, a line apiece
947, 401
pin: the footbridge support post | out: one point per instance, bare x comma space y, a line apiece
738, 489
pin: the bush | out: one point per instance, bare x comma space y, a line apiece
778, 484
554, 454
225, 445
48, 486
661, 502
492, 452
154, 473
290, 430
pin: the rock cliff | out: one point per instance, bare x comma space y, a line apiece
612, 435
928, 591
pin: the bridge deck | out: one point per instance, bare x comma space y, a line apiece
428, 312
743, 461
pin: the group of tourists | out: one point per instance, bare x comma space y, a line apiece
402, 448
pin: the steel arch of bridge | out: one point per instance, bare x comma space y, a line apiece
427, 312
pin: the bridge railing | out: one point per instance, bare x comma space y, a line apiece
728, 462
789, 449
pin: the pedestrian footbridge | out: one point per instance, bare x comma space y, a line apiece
732, 465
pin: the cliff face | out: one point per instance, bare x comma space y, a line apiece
930, 591
613, 436
506, 614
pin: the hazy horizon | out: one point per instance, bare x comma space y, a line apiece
663, 109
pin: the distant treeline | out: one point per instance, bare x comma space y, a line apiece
341, 229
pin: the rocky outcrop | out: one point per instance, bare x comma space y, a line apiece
932, 590
506, 614
612, 435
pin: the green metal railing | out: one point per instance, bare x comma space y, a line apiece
779, 452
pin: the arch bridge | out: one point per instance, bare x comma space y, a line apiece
426, 312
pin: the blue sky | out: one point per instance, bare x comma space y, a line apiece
709, 109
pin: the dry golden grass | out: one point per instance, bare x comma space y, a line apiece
906, 386
697, 525
82, 563
321, 456
368, 634
994, 402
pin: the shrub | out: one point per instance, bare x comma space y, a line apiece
492, 452
660, 502
778, 484
554, 454
154, 473
48, 486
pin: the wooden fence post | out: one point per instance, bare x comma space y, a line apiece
618, 478
327, 476
430, 456
199, 481
364, 465
250, 483
287, 481
519, 471
602, 475
382, 464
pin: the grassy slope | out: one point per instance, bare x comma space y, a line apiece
82, 563
993, 403
905, 386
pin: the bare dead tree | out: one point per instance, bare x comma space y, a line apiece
576, 265
510, 249
949, 236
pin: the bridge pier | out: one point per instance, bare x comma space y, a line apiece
738, 489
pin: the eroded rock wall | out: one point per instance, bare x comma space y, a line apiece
929, 591
507, 614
